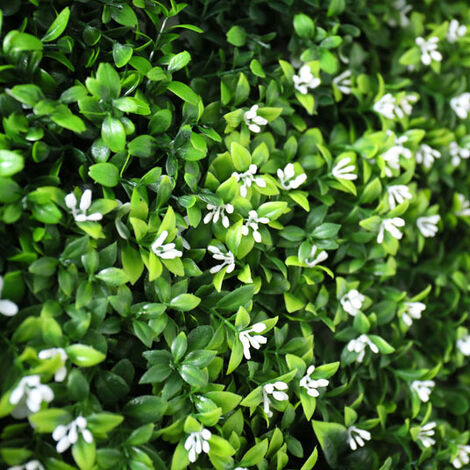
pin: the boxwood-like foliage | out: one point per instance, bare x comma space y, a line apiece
234, 234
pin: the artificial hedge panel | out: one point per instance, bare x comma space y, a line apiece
234, 234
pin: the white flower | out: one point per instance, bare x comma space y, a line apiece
455, 31
457, 153
31, 465
252, 222
427, 225
397, 194
310, 384
313, 260
461, 105
253, 121
392, 155
249, 341
60, 374
403, 9
274, 389
247, 178
197, 443
352, 302
288, 179
425, 433
305, 80
464, 204
28, 396
227, 258
463, 344
426, 155
386, 106
216, 212
412, 311
342, 171
7, 307
357, 436
463, 456
165, 251
359, 344
343, 82
423, 388
429, 50
85, 203
390, 225
404, 105
67, 435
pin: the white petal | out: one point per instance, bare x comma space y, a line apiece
85, 201
63, 445
71, 201
8, 308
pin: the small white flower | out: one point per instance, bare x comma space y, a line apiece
343, 171
352, 302
67, 435
288, 179
7, 307
197, 443
359, 344
423, 388
247, 178
60, 374
31, 465
274, 389
404, 105
425, 433
249, 341
393, 154
313, 260
458, 153
216, 212
397, 194
429, 50
463, 456
461, 105
357, 436
28, 396
463, 344
312, 385
402, 9
227, 259
253, 121
343, 82
412, 311
390, 225
455, 31
426, 155
386, 106
305, 80
252, 222
427, 225
85, 203
165, 251
464, 206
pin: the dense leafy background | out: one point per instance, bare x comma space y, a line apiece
143, 104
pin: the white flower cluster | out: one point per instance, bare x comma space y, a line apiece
313, 259
248, 341
392, 156
31, 465
312, 385
28, 396
461, 105
458, 153
253, 121
197, 443
392, 107
425, 433
397, 194
402, 9
276, 390
343, 82
216, 212
356, 437
359, 345
67, 435
391, 226
463, 456
455, 31
412, 312
165, 251
60, 373
352, 302
247, 178
228, 259
426, 155
252, 223
7, 307
423, 388
305, 80
80, 215
288, 179
427, 225
464, 206
463, 345
343, 171
429, 50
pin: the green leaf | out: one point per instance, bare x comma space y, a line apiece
185, 302
156, 374
304, 26
336, 7
241, 157
132, 263
332, 439
113, 134
160, 121
105, 174
184, 92
58, 26
228, 401
243, 89
272, 210
178, 61
103, 422
47, 420
311, 461
29, 94
66, 119
257, 69
10, 163
113, 277
143, 146
236, 36
124, 15
236, 298
384, 347
122, 54
84, 453
83, 355
193, 375
129, 104
326, 230
255, 455
145, 408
